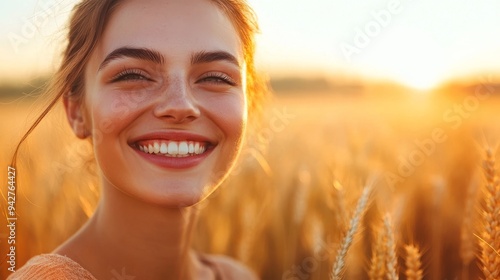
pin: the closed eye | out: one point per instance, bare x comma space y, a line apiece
217, 78
130, 75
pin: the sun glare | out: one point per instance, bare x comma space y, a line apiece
410, 57
420, 81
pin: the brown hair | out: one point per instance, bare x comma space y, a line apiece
86, 26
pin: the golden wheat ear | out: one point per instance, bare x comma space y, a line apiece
390, 244
339, 265
378, 260
413, 263
490, 233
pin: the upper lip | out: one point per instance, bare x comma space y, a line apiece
173, 136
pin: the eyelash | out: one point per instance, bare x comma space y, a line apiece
130, 74
134, 74
217, 78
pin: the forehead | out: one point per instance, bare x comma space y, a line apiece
173, 27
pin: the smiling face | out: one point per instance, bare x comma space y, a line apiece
165, 100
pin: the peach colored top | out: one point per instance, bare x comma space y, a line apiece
57, 267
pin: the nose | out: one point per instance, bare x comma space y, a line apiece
177, 103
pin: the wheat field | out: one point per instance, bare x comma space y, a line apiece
367, 185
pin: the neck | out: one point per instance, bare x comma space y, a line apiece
134, 238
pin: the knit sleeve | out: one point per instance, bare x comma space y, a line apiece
51, 267
228, 268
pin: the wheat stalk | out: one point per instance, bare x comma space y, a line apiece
413, 263
302, 195
391, 261
338, 267
377, 266
467, 245
491, 230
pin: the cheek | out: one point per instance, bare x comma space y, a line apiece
231, 115
111, 111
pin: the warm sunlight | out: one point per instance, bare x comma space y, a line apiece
411, 57
420, 78
420, 61
420, 82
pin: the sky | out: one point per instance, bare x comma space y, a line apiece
416, 42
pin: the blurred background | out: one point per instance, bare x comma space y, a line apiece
399, 90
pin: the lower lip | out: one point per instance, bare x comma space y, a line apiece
175, 162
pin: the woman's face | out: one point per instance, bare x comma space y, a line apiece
165, 100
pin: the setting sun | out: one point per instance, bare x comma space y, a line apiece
414, 58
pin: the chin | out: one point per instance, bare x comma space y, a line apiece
184, 195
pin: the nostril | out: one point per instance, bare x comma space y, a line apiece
177, 114
180, 119
177, 108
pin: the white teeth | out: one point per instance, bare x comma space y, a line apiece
164, 148
173, 148
183, 148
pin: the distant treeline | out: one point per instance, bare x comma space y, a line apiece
307, 85
289, 85
32, 88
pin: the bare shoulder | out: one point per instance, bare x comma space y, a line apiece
51, 267
229, 268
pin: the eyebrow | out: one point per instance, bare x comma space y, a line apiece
156, 57
207, 57
139, 53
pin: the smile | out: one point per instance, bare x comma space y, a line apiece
172, 148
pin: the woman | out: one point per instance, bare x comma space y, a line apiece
162, 88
